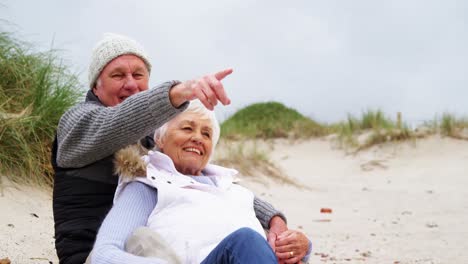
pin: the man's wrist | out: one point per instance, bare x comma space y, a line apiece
176, 96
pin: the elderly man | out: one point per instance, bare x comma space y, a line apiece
119, 110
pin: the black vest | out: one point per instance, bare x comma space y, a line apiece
80, 205
82, 197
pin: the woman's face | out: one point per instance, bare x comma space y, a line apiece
188, 142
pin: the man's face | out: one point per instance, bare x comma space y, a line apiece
124, 76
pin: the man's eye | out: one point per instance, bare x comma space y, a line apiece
137, 75
117, 75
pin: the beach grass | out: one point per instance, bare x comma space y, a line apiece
35, 90
371, 128
251, 159
453, 126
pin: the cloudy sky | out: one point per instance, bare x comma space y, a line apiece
324, 58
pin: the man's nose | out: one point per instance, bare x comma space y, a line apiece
130, 83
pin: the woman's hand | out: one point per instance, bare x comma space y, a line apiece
208, 89
291, 246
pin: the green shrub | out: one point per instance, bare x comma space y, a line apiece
270, 120
35, 90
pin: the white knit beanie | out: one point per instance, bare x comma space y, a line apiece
110, 47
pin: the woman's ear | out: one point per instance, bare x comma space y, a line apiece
159, 143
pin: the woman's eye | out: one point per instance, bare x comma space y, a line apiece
206, 134
187, 128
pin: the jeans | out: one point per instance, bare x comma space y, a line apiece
241, 247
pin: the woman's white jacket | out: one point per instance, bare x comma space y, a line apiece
194, 217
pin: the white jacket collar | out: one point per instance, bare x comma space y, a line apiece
162, 161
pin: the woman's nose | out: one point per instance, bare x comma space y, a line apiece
196, 139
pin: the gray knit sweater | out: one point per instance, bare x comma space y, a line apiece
90, 131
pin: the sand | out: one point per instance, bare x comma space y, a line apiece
393, 203
26, 225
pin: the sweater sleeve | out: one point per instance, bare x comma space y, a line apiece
89, 132
265, 212
306, 258
130, 210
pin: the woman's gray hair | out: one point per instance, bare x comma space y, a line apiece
195, 107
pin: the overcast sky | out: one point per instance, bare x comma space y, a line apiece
323, 58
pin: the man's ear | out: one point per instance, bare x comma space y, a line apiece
96, 83
94, 89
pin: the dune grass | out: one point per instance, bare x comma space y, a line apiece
373, 127
251, 160
35, 90
270, 120
274, 120
452, 126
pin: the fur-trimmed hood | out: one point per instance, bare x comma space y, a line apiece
128, 162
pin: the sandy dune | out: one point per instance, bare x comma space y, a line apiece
395, 203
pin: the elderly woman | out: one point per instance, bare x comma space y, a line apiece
176, 199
